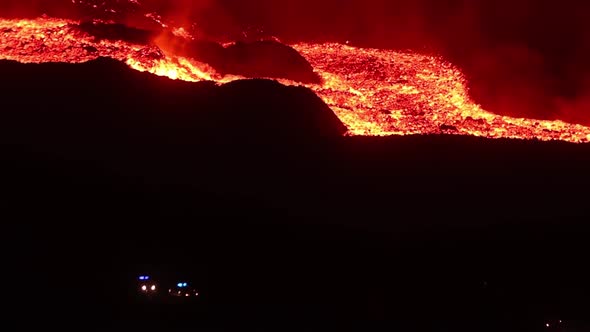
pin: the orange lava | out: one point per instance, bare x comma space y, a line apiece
374, 92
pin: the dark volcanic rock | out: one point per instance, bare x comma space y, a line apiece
107, 92
121, 32
209, 52
100, 164
269, 107
269, 59
104, 111
445, 127
259, 59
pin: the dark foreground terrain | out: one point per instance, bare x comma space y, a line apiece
251, 189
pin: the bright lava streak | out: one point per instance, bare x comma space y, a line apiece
374, 92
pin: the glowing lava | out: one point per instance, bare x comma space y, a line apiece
374, 92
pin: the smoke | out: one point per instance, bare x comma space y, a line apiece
524, 58
34, 8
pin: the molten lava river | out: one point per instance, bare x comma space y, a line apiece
373, 92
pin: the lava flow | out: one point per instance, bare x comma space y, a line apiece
373, 92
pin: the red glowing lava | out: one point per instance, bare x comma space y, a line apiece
374, 92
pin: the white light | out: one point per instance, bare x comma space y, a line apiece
143, 287
547, 324
560, 321
153, 287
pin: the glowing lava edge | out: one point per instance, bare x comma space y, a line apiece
373, 92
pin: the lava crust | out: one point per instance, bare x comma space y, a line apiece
257, 59
117, 32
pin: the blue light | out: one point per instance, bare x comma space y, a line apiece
144, 278
184, 285
180, 284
